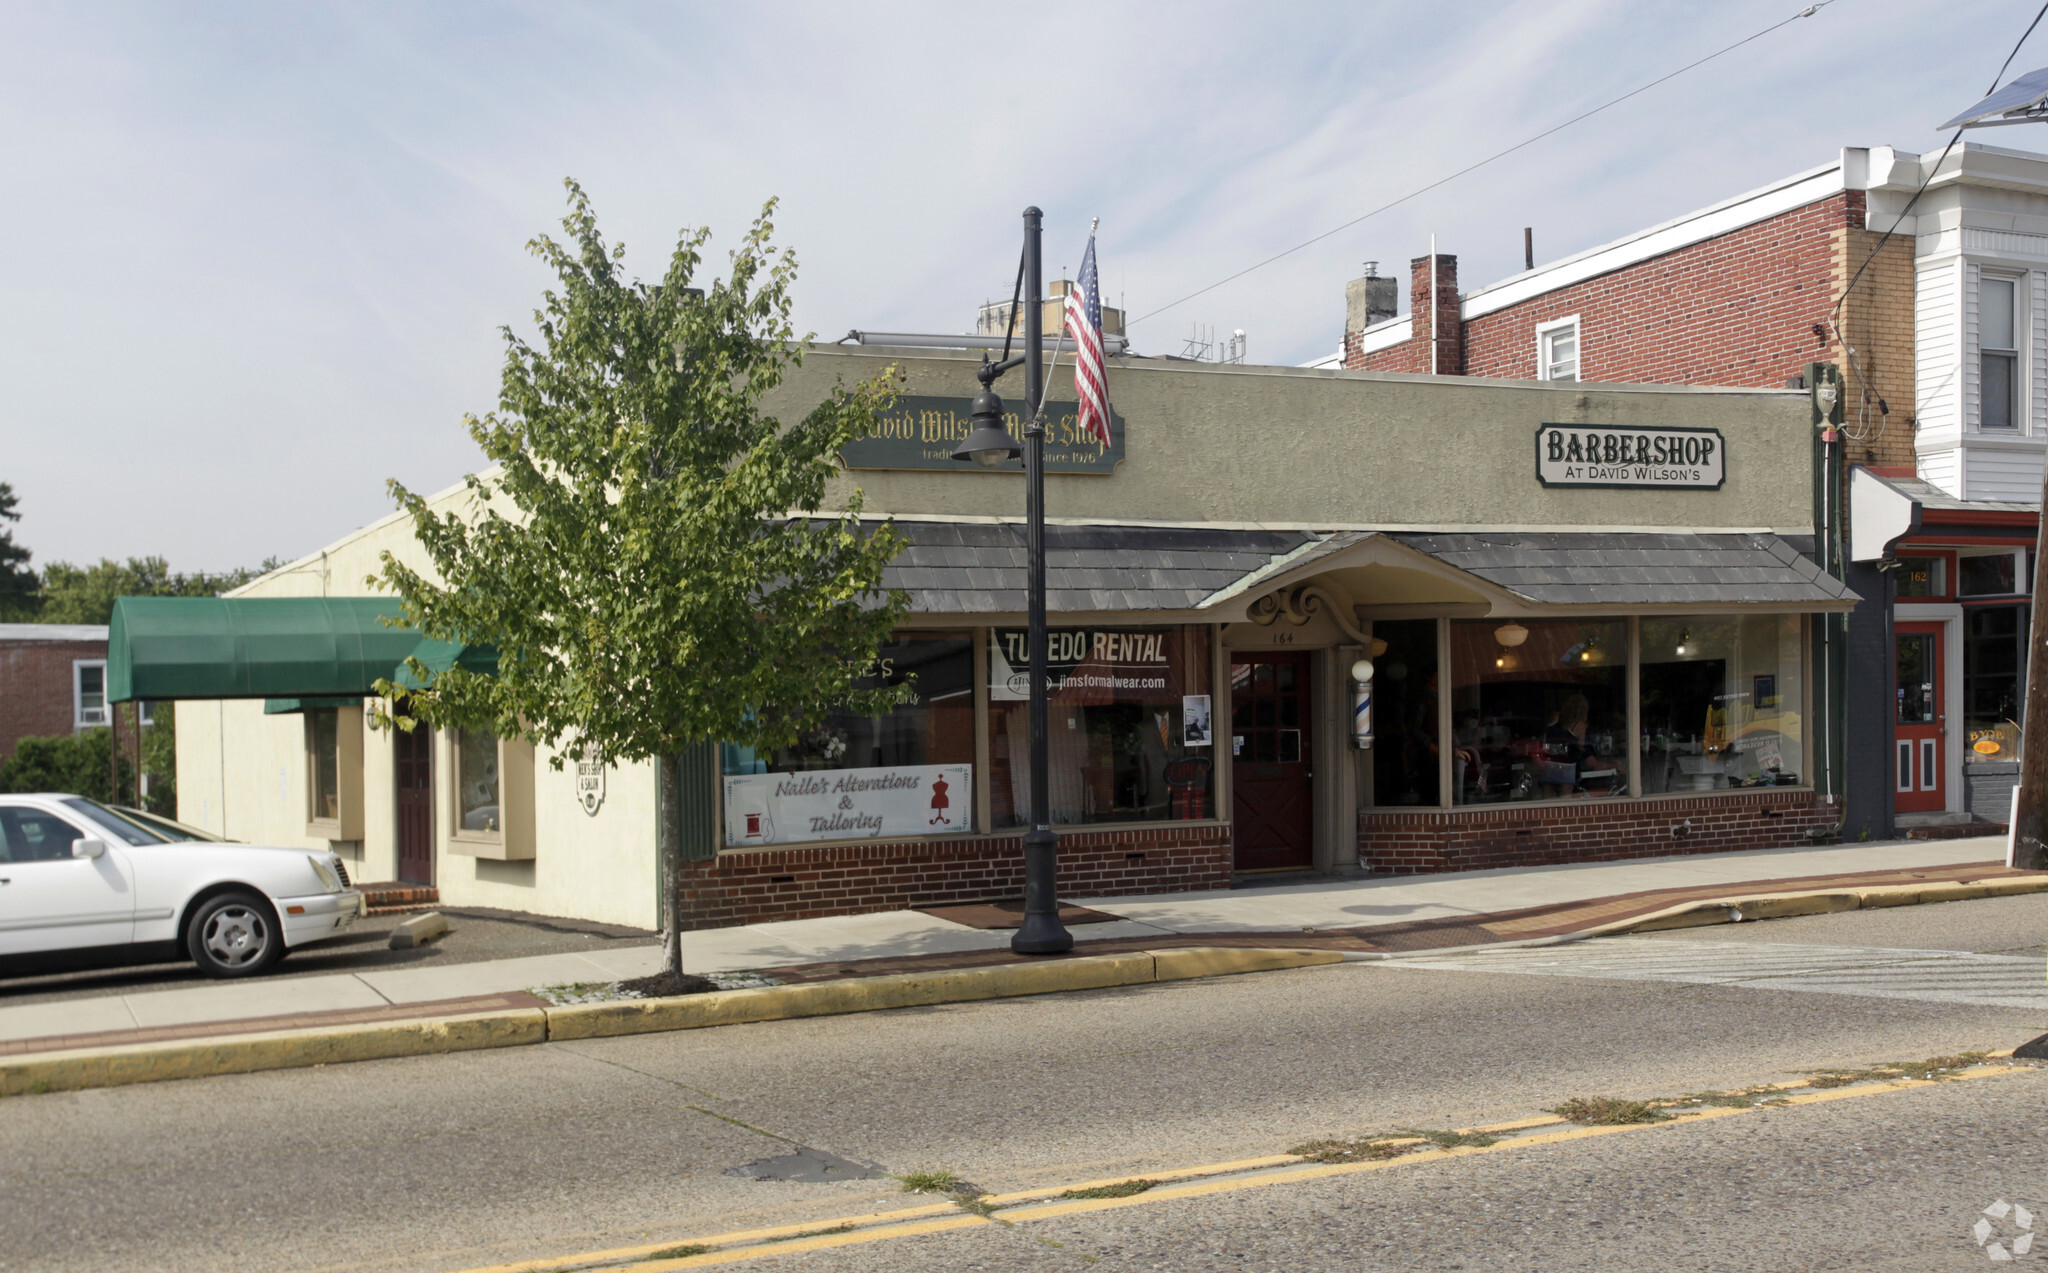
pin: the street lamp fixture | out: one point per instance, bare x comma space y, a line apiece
989, 444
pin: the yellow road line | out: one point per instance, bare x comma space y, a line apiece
819, 1243
755, 1243
716, 1239
1178, 1173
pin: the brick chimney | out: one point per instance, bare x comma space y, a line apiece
1433, 303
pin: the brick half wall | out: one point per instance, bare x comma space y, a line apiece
759, 885
1479, 839
35, 688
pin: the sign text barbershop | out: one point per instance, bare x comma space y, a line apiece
1619, 456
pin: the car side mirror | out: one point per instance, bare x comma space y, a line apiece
88, 848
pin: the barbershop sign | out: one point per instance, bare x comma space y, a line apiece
921, 433
1615, 455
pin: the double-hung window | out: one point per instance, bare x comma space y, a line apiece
88, 693
1557, 350
1998, 354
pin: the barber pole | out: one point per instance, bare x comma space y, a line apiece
1361, 704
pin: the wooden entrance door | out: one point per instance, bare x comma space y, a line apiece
1272, 764
1919, 720
415, 777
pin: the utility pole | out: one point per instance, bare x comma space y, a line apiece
2030, 812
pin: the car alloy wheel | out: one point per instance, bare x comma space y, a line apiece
235, 935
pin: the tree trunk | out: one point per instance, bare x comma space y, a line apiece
671, 850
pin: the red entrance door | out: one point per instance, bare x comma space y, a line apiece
1920, 719
1272, 765
415, 768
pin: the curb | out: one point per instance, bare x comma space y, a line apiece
1699, 914
1786, 905
292, 1049
287, 1049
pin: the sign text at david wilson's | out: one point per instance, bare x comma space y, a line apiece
921, 433
848, 804
1623, 456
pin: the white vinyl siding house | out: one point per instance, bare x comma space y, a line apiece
1938, 370
1980, 339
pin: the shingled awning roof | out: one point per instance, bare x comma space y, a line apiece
1602, 568
979, 568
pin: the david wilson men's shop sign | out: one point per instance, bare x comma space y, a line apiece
848, 804
1620, 456
922, 433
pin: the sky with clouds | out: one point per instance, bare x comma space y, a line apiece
256, 256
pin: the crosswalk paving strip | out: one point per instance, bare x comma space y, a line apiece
1939, 976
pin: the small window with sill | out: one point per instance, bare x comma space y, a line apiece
493, 811
477, 809
88, 694
1998, 354
1557, 350
334, 772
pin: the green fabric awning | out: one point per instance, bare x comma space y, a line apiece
293, 706
252, 647
438, 656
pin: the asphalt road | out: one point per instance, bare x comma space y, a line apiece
464, 1160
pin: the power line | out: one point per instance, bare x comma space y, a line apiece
1807, 12
1835, 311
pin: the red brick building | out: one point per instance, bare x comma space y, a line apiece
1740, 294
52, 681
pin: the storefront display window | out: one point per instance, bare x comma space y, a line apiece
1539, 710
1721, 702
909, 771
1129, 725
476, 782
1405, 697
1994, 681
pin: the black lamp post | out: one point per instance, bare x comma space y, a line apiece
990, 444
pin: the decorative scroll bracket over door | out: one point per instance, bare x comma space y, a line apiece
1299, 604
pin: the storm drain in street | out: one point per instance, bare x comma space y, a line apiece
810, 1166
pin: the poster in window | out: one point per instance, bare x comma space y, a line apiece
1194, 715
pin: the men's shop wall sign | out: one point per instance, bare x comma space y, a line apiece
921, 433
1615, 455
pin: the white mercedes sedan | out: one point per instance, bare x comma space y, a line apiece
82, 883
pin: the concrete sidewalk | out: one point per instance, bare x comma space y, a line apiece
1280, 907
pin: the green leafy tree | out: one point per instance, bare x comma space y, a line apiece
78, 764
644, 557
85, 594
160, 759
18, 583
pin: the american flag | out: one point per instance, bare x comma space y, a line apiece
1084, 324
